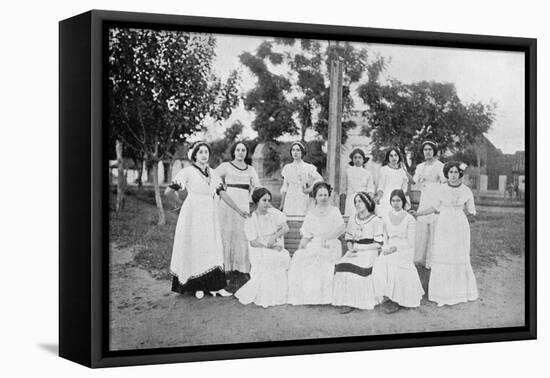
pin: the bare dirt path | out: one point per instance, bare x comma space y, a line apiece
145, 314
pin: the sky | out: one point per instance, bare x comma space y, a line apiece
479, 75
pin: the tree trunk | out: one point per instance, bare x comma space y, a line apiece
158, 199
120, 178
169, 175
305, 125
139, 164
478, 159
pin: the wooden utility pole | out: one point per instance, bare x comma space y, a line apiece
335, 128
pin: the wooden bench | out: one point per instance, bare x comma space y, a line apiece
292, 237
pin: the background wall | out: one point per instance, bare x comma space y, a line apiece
29, 139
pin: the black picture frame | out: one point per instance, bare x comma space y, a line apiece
83, 196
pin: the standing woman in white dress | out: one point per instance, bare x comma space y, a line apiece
357, 179
311, 272
392, 176
452, 279
239, 179
394, 274
429, 175
270, 260
353, 285
197, 255
298, 180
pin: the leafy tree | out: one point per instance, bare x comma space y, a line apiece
302, 90
161, 87
272, 161
404, 115
268, 99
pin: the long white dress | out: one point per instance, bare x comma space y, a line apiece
295, 177
389, 180
239, 184
430, 177
268, 275
197, 254
452, 279
353, 284
358, 179
311, 272
395, 275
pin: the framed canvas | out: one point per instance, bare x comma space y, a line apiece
235, 188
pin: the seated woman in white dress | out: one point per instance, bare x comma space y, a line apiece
268, 258
452, 279
298, 180
353, 286
394, 274
357, 179
311, 273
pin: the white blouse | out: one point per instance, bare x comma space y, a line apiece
358, 179
196, 182
263, 226
391, 179
317, 225
456, 198
429, 173
233, 175
370, 228
297, 175
402, 234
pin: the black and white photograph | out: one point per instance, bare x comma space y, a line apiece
244, 189
273, 188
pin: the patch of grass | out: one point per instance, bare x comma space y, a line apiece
496, 236
136, 227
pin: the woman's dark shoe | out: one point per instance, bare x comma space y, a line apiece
346, 310
391, 307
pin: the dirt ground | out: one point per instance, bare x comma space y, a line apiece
144, 313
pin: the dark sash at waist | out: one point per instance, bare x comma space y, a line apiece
350, 268
361, 241
239, 186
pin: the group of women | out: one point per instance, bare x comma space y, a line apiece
216, 233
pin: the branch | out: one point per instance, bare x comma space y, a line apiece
142, 143
140, 118
127, 143
167, 141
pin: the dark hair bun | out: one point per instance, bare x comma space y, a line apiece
320, 185
258, 193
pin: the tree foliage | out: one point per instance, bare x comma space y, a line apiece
268, 99
293, 84
161, 88
404, 115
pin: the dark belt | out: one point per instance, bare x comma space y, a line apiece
363, 241
351, 268
239, 186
